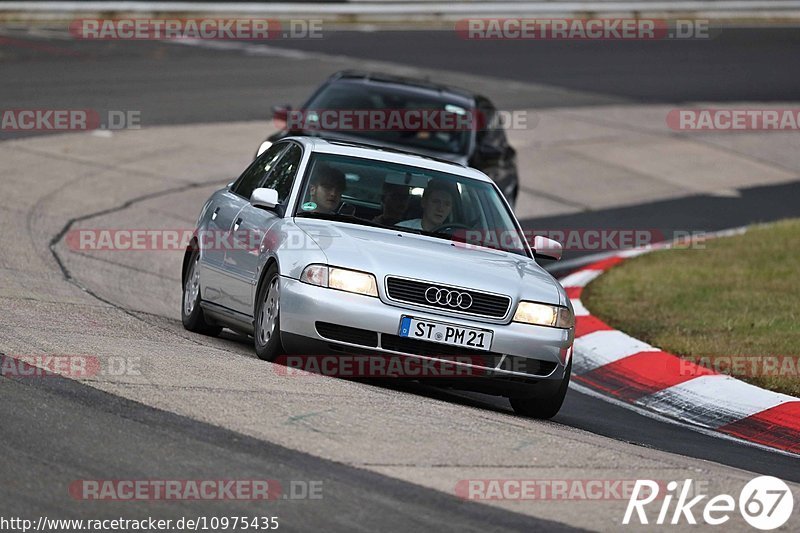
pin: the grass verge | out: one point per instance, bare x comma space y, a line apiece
732, 304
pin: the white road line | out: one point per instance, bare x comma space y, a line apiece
580, 278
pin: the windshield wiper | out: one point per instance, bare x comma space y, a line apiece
456, 237
341, 218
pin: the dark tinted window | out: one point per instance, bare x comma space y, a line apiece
284, 172
258, 170
389, 103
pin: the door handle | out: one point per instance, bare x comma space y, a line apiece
214, 214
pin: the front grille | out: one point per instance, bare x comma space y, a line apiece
483, 304
339, 333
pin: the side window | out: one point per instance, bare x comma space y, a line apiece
282, 176
251, 177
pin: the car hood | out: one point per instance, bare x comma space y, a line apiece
385, 252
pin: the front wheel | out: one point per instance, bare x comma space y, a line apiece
267, 330
547, 407
191, 313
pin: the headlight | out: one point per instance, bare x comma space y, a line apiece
341, 279
352, 281
544, 315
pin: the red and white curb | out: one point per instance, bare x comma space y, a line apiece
633, 372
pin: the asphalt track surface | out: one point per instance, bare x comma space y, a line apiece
183, 85
733, 64
48, 423
175, 85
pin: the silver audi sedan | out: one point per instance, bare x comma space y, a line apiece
334, 249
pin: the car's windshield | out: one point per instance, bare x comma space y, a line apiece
389, 115
409, 199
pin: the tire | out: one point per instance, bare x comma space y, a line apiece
191, 312
267, 324
543, 408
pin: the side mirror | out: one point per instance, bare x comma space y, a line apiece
263, 147
546, 248
266, 198
489, 151
281, 112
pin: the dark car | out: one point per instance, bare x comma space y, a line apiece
483, 145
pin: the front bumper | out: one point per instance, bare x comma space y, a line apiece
303, 305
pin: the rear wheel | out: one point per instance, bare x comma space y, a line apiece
191, 313
267, 330
546, 407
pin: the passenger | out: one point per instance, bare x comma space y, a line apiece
394, 199
327, 187
437, 204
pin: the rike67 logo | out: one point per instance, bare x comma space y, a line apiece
765, 503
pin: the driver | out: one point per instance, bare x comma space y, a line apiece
326, 189
437, 204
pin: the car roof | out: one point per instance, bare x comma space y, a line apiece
417, 85
382, 153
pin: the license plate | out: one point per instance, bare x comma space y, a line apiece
414, 328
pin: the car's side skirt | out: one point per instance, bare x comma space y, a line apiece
229, 318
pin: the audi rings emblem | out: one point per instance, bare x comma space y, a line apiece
449, 298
